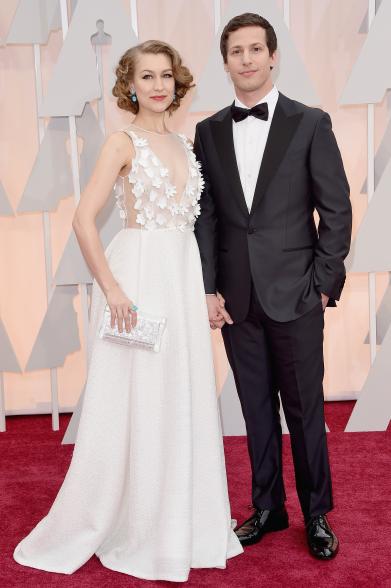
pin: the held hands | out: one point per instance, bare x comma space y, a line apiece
120, 307
218, 316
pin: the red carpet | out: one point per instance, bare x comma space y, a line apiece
33, 464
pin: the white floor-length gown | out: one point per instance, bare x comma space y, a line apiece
146, 490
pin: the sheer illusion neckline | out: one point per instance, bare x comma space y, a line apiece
165, 188
162, 164
152, 132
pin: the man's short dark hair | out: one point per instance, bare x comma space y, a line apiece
248, 19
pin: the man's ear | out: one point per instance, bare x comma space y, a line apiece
226, 67
274, 60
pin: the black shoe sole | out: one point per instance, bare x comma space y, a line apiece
276, 526
322, 557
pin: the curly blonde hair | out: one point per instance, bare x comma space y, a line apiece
125, 72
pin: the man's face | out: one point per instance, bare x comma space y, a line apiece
248, 59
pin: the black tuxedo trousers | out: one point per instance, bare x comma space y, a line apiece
267, 356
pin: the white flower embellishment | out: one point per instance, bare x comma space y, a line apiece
170, 190
190, 189
174, 208
138, 189
186, 142
149, 212
157, 182
162, 202
201, 184
139, 141
157, 201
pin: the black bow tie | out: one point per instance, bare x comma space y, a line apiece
259, 111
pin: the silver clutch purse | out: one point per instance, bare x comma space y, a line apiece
146, 334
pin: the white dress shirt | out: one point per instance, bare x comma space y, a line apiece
250, 136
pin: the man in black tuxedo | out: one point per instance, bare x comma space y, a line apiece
269, 272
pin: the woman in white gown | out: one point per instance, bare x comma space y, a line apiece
146, 490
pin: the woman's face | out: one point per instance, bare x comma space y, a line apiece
154, 82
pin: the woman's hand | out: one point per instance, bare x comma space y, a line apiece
218, 316
120, 307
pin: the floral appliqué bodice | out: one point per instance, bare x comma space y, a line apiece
164, 185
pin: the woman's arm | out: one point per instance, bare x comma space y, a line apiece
116, 154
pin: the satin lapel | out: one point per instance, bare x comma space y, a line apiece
224, 142
281, 132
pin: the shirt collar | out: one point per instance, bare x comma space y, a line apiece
271, 99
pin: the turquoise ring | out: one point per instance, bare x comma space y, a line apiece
133, 308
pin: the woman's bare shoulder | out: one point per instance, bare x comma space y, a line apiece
118, 139
118, 142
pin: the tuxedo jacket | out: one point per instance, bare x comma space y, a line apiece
277, 245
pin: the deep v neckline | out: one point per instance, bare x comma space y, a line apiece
160, 164
153, 198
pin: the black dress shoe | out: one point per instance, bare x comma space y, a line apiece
322, 541
261, 522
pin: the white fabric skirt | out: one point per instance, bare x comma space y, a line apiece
146, 490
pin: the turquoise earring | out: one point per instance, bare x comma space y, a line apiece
133, 96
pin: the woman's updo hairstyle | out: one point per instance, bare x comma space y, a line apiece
125, 73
